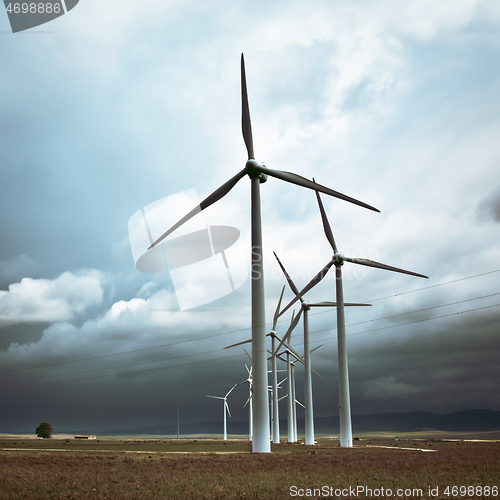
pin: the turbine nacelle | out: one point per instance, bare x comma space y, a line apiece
255, 173
338, 259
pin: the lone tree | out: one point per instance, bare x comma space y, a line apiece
44, 430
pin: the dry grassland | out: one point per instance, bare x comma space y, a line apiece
159, 469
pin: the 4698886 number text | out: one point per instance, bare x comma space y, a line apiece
34, 8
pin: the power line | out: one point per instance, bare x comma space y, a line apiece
124, 373
225, 357
236, 331
115, 367
434, 286
412, 322
422, 310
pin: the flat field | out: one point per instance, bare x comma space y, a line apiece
211, 469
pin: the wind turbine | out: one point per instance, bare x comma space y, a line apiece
249, 379
274, 373
305, 307
258, 174
274, 377
275, 412
292, 399
338, 260
226, 408
290, 369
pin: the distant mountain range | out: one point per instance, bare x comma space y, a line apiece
464, 421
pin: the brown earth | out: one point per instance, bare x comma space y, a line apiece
135, 470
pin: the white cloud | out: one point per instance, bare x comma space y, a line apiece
43, 300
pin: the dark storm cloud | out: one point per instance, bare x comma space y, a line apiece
489, 208
12, 271
21, 334
443, 366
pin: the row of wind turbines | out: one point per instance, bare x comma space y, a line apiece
273, 389
258, 174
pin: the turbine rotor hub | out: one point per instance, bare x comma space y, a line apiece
338, 259
253, 173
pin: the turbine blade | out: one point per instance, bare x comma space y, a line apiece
310, 285
248, 354
239, 343
231, 390
314, 371
293, 324
279, 383
227, 408
322, 304
209, 200
372, 263
302, 181
299, 403
334, 304
215, 397
290, 282
321, 345
294, 353
276, 314
246, 124
326, 224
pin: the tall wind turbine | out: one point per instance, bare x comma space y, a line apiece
258, 174
305, 307
226, 408
338, 260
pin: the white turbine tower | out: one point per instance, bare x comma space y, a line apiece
274, 377
275, 411
305, 307
258, 173
292, 400
249, 401
338, 260
226, 408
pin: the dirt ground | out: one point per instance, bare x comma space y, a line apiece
197, 469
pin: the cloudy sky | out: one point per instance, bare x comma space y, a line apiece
119, 104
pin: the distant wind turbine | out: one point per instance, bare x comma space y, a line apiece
274, 372
338, 260
292, 399
226, 408
258, 174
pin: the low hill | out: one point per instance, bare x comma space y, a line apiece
465, 421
